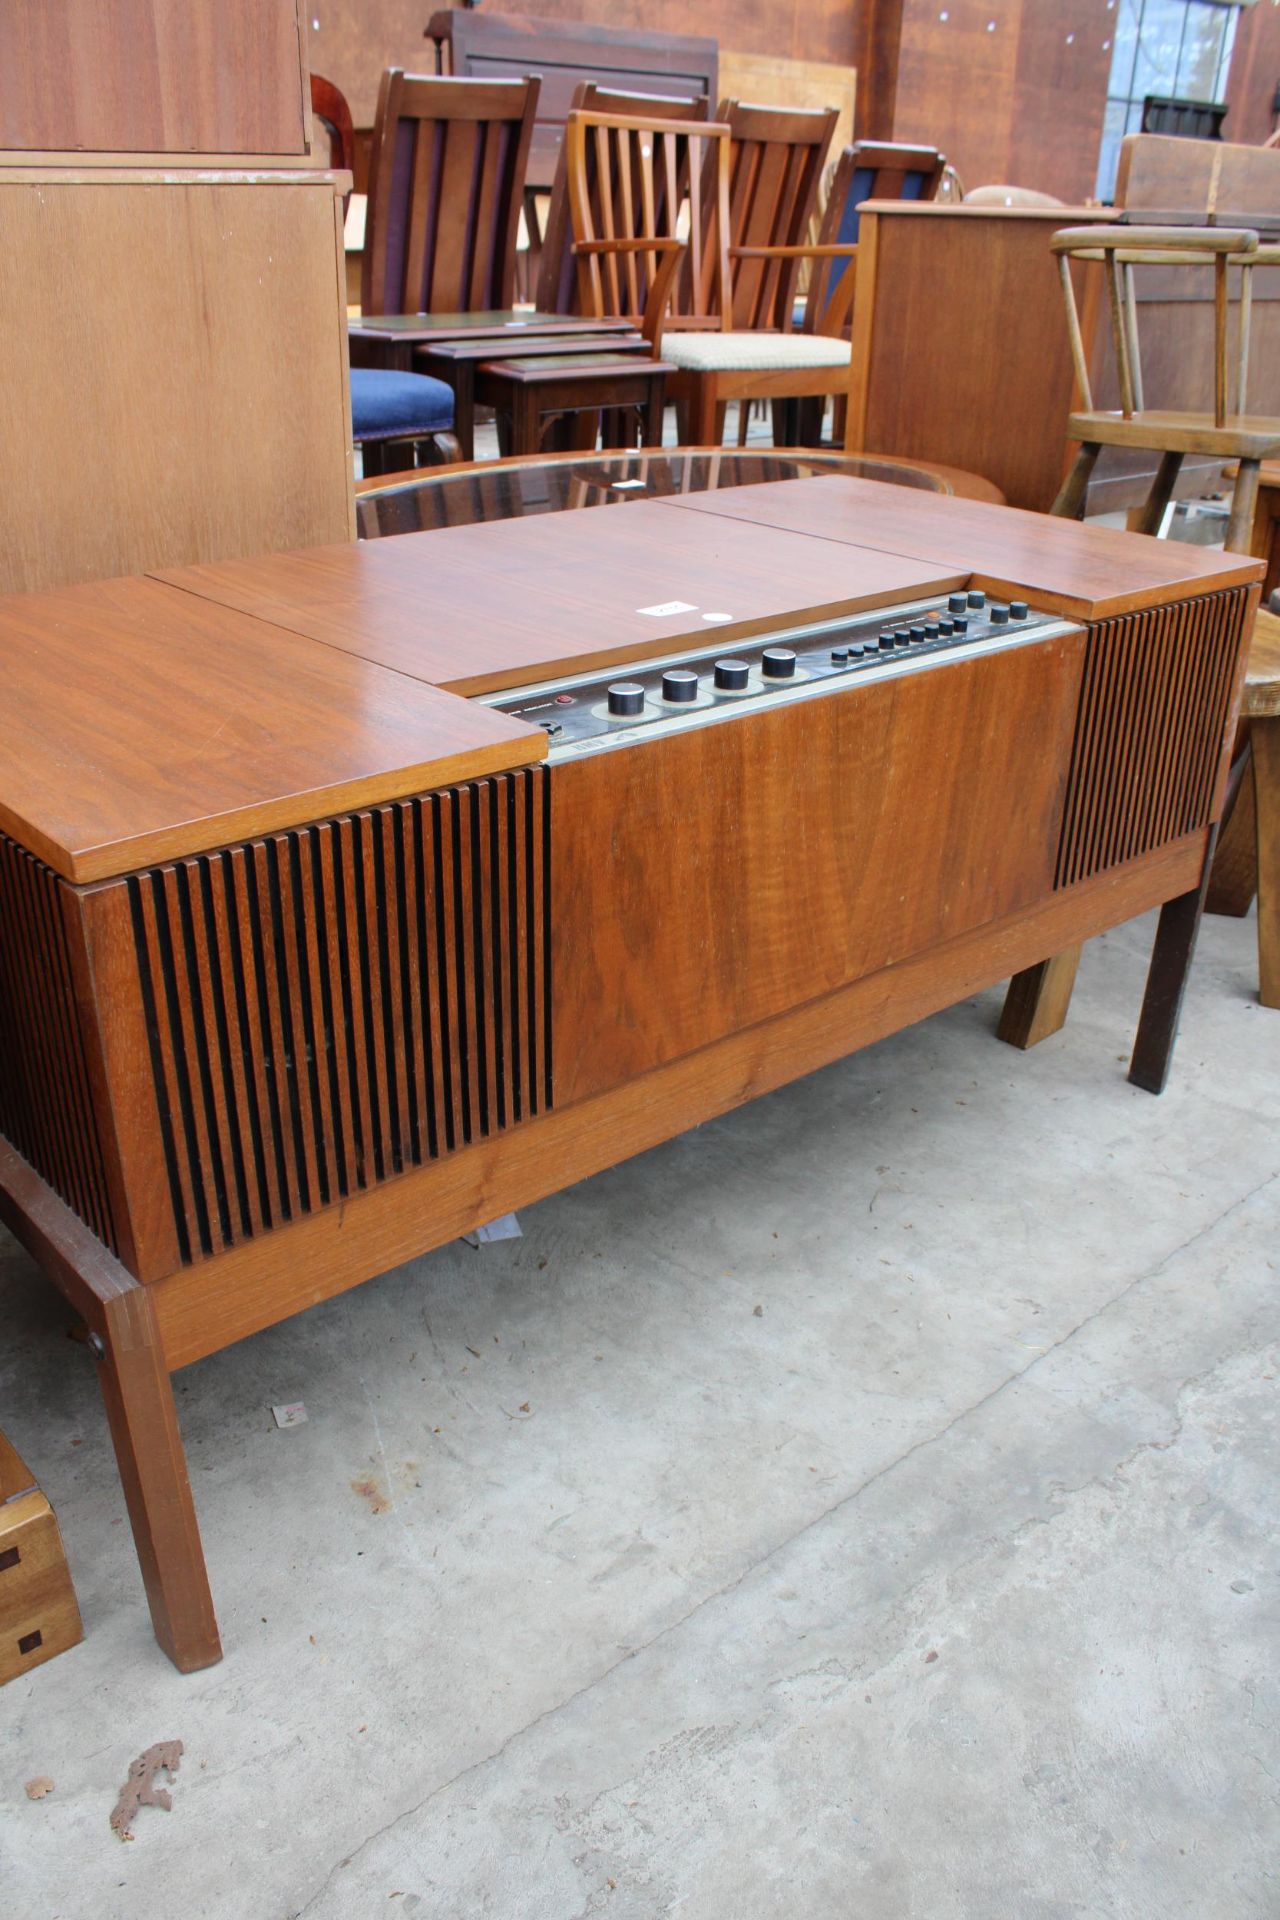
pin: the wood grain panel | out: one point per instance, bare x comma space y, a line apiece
960, 345
1255, 69
1063, 565
175, 372
153, 76
143, 723
762, 862
478, 608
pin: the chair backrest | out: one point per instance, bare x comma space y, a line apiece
329, 107
446, 177
651, 178
867, 170
557, 290
777, 156
1119, 250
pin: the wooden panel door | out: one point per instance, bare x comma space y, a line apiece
153, 76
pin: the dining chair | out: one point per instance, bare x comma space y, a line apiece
637, 187
395, 417
446, 180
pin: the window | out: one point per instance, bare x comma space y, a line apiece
1175, 47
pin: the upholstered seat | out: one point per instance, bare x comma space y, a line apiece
697, 352
386, 405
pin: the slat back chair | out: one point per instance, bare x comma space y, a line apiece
777, 156
633, 184
1229, 435
630, 210
446, 177
558, 286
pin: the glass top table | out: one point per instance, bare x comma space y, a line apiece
430, 498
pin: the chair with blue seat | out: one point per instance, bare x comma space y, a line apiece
394, 416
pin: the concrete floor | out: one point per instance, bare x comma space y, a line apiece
890, 1532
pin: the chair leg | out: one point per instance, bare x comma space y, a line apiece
1243, 501
652, 416
444, 449
1234, 879
1037, 1001
1167, 983
1265, 735
373, 457
704, 415
1074, 491
1151, 518
526, 422
584, 430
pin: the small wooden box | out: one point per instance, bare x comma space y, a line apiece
38, 1612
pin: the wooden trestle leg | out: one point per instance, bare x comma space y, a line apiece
1037, 1001
138, 1393
1167, 983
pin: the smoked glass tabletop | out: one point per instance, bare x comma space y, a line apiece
509, 490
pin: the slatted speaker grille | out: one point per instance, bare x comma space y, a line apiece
1149, 729
329, 1006
46, 1103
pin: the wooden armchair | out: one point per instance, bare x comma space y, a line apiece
634, 185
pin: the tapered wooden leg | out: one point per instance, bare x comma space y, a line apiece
702, 412
1243, 501
1037, 1001
1167, 984
153, 1469
1234, 879
1153, 510
653, 415
1265, 736
1069, 504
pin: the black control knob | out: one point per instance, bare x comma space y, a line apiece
999, 616
839, 655
626, 697
886, 640
902, 636
680, 685
957, 602
731, 675
915, 635
932, 628
946, 626
977, 599
1018, 609
960, 623
778, 663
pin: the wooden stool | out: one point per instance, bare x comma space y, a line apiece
1248, 858
524, 393
38, 1612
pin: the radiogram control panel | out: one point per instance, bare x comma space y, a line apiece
587, 712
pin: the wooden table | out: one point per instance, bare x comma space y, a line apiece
393, 339
423, 500
456, 363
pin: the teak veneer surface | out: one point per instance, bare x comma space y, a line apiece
141, 724
795, 890
478, 608
1065, 566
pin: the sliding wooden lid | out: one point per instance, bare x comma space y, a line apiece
495, 605
1063, 566
142, 724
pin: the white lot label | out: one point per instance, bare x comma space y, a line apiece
668, 606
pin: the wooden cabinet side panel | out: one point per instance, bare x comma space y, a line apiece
222, 429
124, 1078
716, 878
